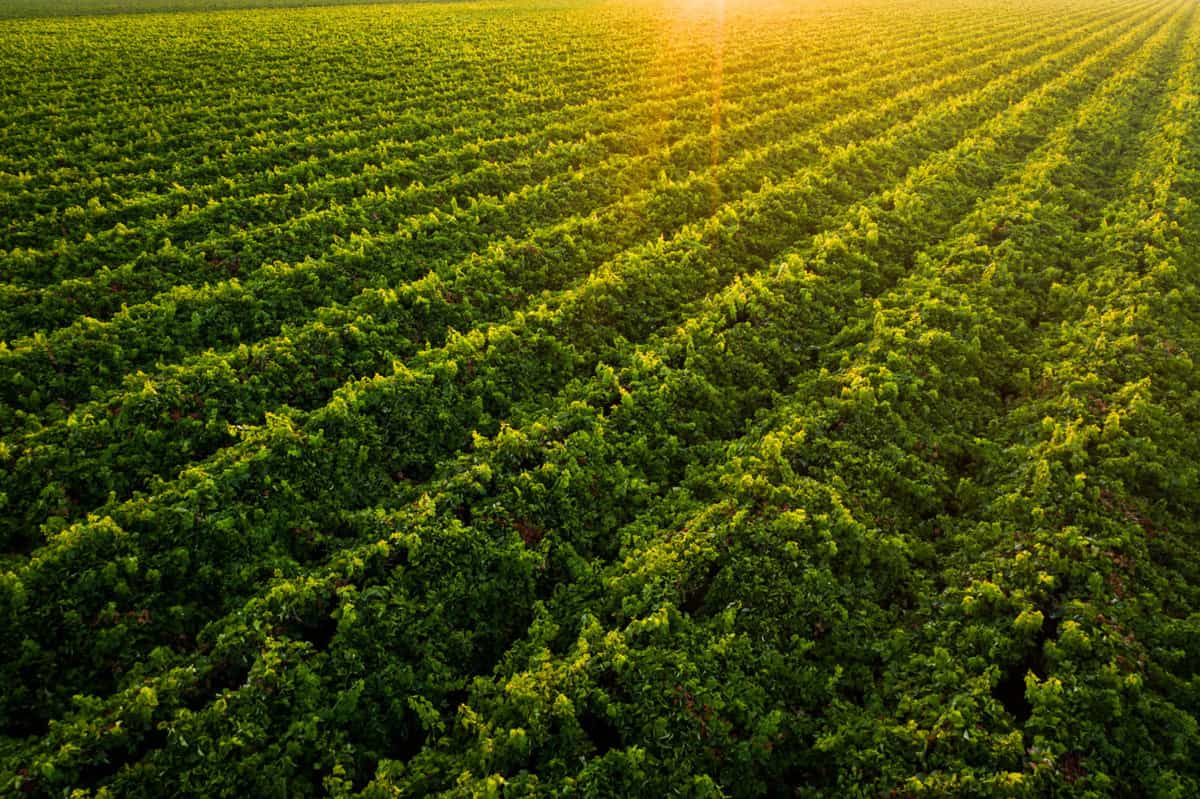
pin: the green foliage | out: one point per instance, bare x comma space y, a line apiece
500, 399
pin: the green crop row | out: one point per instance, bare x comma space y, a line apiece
210, 537
44, 372
836, 440
210, 242
127, 446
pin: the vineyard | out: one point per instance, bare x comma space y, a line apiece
704, 398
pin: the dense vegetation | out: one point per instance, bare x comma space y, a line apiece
601, 399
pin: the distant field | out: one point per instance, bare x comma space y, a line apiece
600, 399
62, 8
